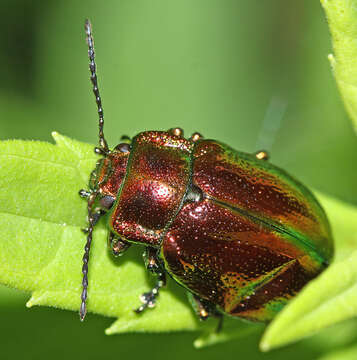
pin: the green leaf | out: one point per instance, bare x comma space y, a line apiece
342, 19
41, 245
349, 353
41, 251
232, 330
330, 298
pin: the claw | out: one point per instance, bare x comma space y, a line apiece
84, 193
148, 299
140, 309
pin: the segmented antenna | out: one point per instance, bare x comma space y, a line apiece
91, 221
103, 146
103, 149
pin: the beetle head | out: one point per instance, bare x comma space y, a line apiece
107, 177
104, 183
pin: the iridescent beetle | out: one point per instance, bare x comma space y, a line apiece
241, 235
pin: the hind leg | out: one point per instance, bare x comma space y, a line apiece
205, 309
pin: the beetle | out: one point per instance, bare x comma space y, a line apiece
240, 234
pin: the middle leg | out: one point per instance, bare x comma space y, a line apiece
154, 265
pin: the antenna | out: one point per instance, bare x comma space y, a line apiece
103, 145
103, 149
92, 219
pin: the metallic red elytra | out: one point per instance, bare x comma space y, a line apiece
241, 235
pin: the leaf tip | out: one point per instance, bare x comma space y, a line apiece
208, 338
109, 331
36, 299
31, 302
56, 136
264, 346
332, 61
198, 343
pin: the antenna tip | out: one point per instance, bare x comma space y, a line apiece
82, 311
87, 26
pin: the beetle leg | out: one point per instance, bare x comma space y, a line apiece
205, 309
96, 217
196, 136
153, 265
220, 322
117, 245
84, 193
176, 131
262, 155
149, 298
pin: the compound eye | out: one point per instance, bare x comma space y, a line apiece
106, 202
123, 147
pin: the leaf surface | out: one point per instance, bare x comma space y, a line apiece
348, 353
342, 19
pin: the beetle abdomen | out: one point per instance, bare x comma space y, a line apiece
243, 266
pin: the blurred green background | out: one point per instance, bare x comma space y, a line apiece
253, 74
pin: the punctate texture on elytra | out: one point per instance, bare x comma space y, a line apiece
156, 182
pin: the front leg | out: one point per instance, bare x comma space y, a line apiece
117, 245
154, 265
